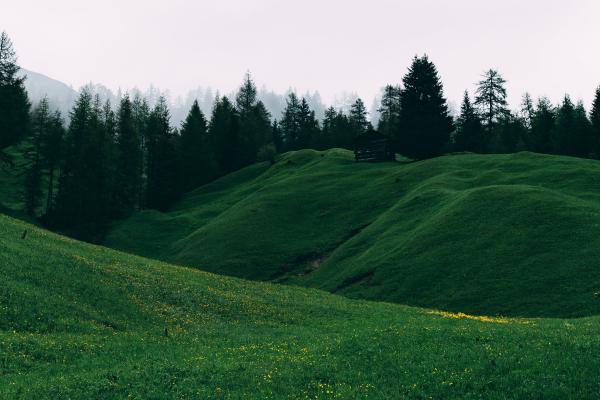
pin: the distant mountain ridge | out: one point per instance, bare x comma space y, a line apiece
60, 95
63, 97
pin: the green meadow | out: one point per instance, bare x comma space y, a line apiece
82, 321
512, 235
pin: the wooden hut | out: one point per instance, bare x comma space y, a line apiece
374, 147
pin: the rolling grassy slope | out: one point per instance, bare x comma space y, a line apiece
81, 321
516, 234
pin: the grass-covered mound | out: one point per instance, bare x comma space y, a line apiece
511, 234
84, 322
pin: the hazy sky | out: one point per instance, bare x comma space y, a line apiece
546, 47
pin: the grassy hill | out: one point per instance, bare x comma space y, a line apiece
81, 321
516, 235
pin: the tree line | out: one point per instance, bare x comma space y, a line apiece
112, 160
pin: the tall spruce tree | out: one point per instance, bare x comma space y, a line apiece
563, 137
491, 99
128, 174
543, 126
290, 122
595, 125
254, 121
41, 125
83, 202
224, 131
141, 114
14, 103
358, 118
52, 152
308, 126
469, 130
163, 187
582, 134
425, 124
198, 163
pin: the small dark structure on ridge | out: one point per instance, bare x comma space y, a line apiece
373, 146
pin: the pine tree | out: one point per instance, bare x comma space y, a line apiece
491, 99
198, 163
337, 131
510, 134
52, 151
563, 138
582, 133
358, 118
277, 136
527, 115
543, 126
254, 122
469, 131
41, 123
290, 122
83, 202
527, 110
129, 159
595, 125
141, 114
224, 131
308, 126
389, 111
328, 131
163, 187
14, 103
425, 124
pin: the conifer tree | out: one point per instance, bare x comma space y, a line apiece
491, 99
163, 187
128, 174
582, 133
527, 115
563, 137
358, 118
52, 151
254, 122
389, 111
198, 163
595, 125
83, 202
41, 125
224, 131
425, 124
141, 114
14, 103
469, 131
290, 122
337, 131
543, 126
277, 136
308, 126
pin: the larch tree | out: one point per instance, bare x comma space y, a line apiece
491, 99
389, 111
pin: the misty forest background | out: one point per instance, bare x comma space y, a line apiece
113, 155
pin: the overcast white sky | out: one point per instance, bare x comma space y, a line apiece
546, 47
